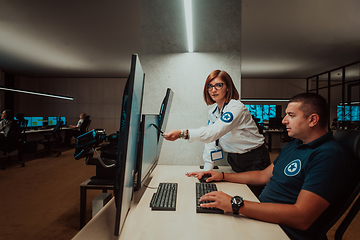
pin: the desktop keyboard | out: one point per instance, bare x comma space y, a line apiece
202, 189
165, 197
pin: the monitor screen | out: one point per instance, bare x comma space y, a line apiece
36, 121
63, 121
347, 113
150, 142
264, 112
164, 115
29, 123
276, 123
127, 144
52, 121
272, 111
355, 113
147, 149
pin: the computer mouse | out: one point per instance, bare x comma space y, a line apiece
203, 179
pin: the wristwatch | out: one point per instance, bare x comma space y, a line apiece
236, 203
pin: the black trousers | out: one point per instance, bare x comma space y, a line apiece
256, 159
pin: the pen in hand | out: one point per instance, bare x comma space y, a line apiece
157, 128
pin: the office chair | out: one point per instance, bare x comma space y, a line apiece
50, 140
350, 140
85, 125
15, 140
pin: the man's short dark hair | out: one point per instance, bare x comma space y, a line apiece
313, 103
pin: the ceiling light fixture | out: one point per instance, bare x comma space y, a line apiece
36, 93
189, 29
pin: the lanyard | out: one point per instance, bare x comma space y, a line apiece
221, 113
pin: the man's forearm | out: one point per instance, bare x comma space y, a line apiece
251, 177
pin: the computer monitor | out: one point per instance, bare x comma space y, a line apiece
52, 121
37, 121
347, 113
276, 123
150, 141
128, 136
148, 154
355, 113
29, 123
63, 121
164, 115
264, 112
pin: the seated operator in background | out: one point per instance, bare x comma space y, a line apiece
7, 118
81, 120
230, 128
305, 179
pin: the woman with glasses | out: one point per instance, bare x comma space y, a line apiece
231, 128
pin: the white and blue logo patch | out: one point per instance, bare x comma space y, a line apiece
293, 168
227, 117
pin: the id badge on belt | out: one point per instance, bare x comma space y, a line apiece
216, 154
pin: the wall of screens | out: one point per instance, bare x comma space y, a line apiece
262, 112
341, 88
348, 113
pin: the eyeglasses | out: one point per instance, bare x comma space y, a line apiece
217, 86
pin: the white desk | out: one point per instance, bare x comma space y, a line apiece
184, 223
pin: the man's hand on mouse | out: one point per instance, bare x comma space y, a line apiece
214, 176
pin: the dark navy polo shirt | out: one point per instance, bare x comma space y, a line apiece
319, 167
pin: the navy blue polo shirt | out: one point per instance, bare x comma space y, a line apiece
319, 167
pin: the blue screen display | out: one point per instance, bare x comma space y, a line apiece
52, 121
28, 121
63, 120
348, 113
355, 113
36, 121
262, 112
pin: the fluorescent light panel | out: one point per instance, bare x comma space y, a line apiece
189, 29
36, 93
352, 103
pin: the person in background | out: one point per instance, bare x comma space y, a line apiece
7, 118
306, 179
231, 128
81, 120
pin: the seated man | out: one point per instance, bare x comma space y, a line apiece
81, 120
306, 178
7, 118
77, 128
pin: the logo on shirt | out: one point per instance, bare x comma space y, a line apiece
293, 168
227, 117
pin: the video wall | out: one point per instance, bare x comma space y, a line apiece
348, 113
262, 112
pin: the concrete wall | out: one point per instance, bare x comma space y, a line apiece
168, 64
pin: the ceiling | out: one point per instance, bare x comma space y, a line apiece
279, 38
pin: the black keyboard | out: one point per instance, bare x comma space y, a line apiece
165, 197
202, 189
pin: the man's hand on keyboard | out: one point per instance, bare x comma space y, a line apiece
219, 200
215, 176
